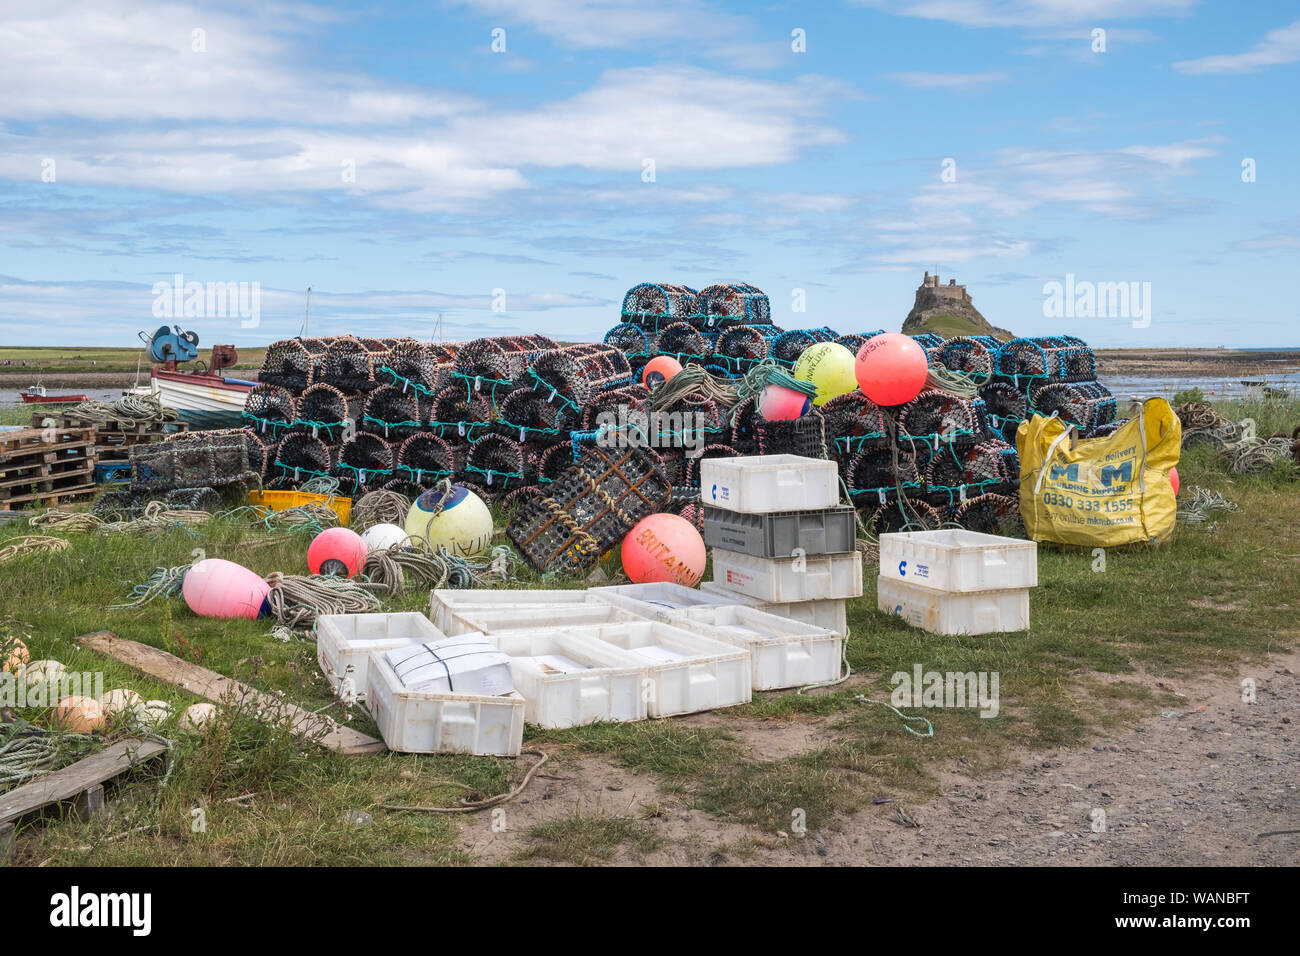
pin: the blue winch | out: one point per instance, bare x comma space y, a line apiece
172, 345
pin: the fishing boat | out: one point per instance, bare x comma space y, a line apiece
205, 397
37, 395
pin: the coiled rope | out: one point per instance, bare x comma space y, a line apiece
692, 381
31, 544
296, 600
27, 751
379, 507
764, 373
142, 409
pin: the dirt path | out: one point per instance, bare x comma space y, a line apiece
1194, 786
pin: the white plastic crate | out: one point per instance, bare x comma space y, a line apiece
348, 640
568, 680
509, 618
830, 614
959, 561
425, 723
782, 652
954, 612
664, 601
448, 606
784, 580
760, 484
688, 672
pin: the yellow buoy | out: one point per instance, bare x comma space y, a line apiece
829, 366
457, 522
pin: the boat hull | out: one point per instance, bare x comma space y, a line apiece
203, 401
55, 399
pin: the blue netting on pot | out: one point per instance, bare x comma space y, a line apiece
651, 305
725, 305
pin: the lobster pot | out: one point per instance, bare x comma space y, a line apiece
614, 405
804, 436
911, 514
853, 341
724, 306
412, 361
524, 415
632, 340
458, 413
990, 513
293, 363
500, 358
497, 464
872, 478
969, 354
928, 340
853, 422
693, 512
260, 450
683, 342
1006, 407
744, 420
788, 346
651, 305
423, 459
120, 505
1085, 405
1050, 359
394, 413
955, 471
364, 463
553, 461
325, 411
589, 508
193, 499
935, 417
1101, 431
205, 460
299, 457
574, 374
740, 347
349, 363
691, 476
270, 410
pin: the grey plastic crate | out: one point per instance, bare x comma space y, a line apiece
778, 534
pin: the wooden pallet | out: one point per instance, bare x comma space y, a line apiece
46, 465
17, 446
114, 438
81, 782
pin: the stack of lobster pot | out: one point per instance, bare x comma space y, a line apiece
780, 535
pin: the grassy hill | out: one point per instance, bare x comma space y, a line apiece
949, 325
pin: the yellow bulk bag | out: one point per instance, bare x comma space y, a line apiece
1100, 492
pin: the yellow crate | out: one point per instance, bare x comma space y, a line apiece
341, 505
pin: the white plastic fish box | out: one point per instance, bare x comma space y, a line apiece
959, 561
689, 672
783, 580
779, 534
663, 600
568, 680
831, 614
760, 484
508, 618
782, 652
427, 723
954, 612
448, 606
348, 640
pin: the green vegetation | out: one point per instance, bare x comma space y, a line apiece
1203, 602
41, 360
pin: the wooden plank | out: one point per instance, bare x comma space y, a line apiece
72, 781
47, 497
48, 474
217, 687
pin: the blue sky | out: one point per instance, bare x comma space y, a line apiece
133, 149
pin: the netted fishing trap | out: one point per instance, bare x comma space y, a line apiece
788, 346
1085, 405
1007, 407
497, 464
270, 410
723, 306
423, 459
394, 412
294, 363
651, 304
458, 413
956, 473
300, 457
740, 347
1064, 358
572, 375
971, 355
201, 459
524, 415
326, 411
363, 463
589, 508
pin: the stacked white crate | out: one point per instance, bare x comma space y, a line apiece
810, 588
955, 581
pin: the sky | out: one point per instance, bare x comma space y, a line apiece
477, 167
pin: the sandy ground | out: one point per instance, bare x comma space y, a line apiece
1205, 785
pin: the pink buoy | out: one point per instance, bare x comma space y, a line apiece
218, 588
1173, 479
664, 547
776, 403
891, 368
337, 551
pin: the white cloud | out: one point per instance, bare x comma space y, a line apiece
947, 81
1278, 47
1030, 13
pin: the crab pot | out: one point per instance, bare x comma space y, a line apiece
723, 306
1085, 405
394, 413
324, 411
589, 508
293, 363
652, 305
871, 475
270, 410
498, 464
935, 417
458, 413
911, 514
413, 361
683, 341
1006, 406
194, 499
500, 358
631, 339
524, 415
788, 346
364, 463
1101, 431
614, 403
740, 347
744, 420
990, 514
553, 461
804, 436
853, 341
854, 422
120, 505
982, 466
350, 365
969, 354
1047, 359
206, 459
423, 459
299, 457
578, 372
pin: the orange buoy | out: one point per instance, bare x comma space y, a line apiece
659, 370
664, 547
79, 715
17, 658
337, 551
891, 368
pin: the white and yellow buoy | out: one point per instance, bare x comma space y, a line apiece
456, 521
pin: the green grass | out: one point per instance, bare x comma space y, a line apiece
80, 359
948, 325
1203, 602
